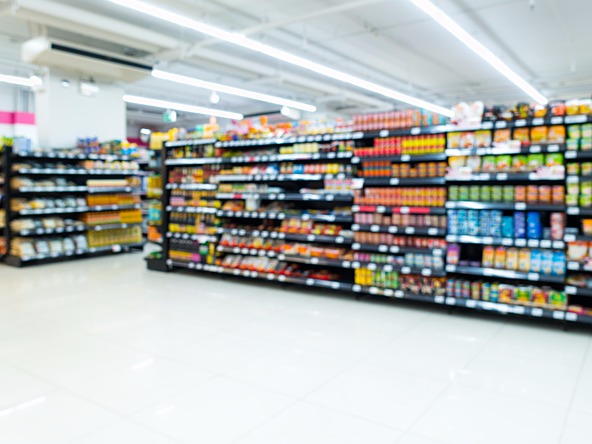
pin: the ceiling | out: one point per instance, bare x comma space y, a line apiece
390, 42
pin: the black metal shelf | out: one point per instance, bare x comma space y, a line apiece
509, 242
576, 238
421, 231
401, 269
578, 155
273, 215
519, 206
397, 210
196, 237
339, 240
506, 274
504, 177
578, 211
578, 291
74, 172
72, 229
283, 257
403, 158
16, 261
190, 142
260, 158
279, 177
192, 186
393, 249
304, 197
75, 189
499, 150
394, 181
98, 208
193, 210
72, 156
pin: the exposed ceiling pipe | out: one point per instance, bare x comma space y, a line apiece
93, 25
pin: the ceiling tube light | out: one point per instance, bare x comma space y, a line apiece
245, 42
456, 30
165, 104
21, 81
164, 75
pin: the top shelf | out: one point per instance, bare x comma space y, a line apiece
356, 135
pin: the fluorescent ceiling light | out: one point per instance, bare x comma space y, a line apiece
455, 29
231, 90
165, 104
245, 42
22, 81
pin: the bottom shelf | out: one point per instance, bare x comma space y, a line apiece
16, 261
492, 307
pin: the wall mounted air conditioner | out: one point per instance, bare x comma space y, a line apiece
83, 60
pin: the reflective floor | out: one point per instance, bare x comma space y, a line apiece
104, 351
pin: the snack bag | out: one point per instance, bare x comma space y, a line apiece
488, 164
454, 140
574, 132
502, 136
483, 139
522, 135
488, 256
554, 159
535, 161
506, 293
556, 134
467, 140
500, 258
503, 163
519, 163
539, 134
512, 259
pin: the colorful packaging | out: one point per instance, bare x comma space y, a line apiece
519, 225
500, 258
522, 134
535, 161
486, 291
574, 131
512, 259
488, 256
557, 299
488, 164
503, 163
453, 254
536, 259
558, 221
506, 293
539, 134
508, 227
534, 227
547, 262
556, 134
475, 290
523, 295
558, 266
520, 163
502, 135
454, 141
554, 159
524, 255
483, 139
539, 297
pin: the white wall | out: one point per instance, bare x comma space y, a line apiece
64, 115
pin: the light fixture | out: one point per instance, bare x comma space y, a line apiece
31, 82
456, 30
245, 42
164, 75
293, 114
165, 104
214, 98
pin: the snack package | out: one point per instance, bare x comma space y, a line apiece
500, 258
488, 164
558, 265
454, 140
467, 140
522, 135
503, 163
535, 261
488, 256
502, 135
519, 163
524, 256
574, 131
539, 134
556, 134
547, 262
539, 297
535, 161
483, 139
512, 259
506, 293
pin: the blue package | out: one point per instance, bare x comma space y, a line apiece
558, 268
536, 259
473, 223
534, 226
519, 225
495, 227
463, 222
508, 227
484, 223
453, 222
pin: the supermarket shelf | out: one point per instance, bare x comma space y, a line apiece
291, 140
288, 236
73, 229
400, 230
498, 150
394, 181
259, 159
97, 208
106, 190
80, 156
20, 261
191, 186
396, 249
392, 293
404, 158
507, 274
192, 142
578, 179
281, 216
283, 257
397, 210
309, 282
578, 211
578, 291
577, 237
74, 172
519, 206
402, 269
504, 177
200, 210
509, 242
279, 177
580, 155
327, 197
578, 266
65, 189
196, 237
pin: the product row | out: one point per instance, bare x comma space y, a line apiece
404, 170
533, 194
402, 196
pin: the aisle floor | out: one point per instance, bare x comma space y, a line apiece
104, 351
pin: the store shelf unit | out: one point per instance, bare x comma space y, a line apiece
247, 223
62, 206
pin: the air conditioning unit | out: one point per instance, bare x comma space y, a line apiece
83, 60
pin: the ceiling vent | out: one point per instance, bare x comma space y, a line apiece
84, 60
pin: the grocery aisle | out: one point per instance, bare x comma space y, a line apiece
104, 351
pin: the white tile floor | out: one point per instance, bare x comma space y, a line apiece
104, 352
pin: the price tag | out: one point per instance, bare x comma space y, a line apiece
520, 123
573, 179
394, 182
380, 209
439, 299
388, 268
450, 301
520, 206
393, 230
538, 121
339, 240
382, 248
438, 252
573, 266
405, 270
346, 264
432, 231
469, 303
405, 210
375, 228
357, 288
576, 119
502, 176
383, 133
388, 292
395, 249
557, 120
501, 124
571, 154
560, 315
574, 211
553, 148
116, 248
488, 272
409, 230
371, 266
533, 243
374, 290
545, 244
520, 242
533, 276
572, 317
426, 272
405, 158
311, 237
356, 246
451, 268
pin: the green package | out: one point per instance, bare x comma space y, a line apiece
535, 161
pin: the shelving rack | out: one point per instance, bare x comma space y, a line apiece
64, 166
255, 222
